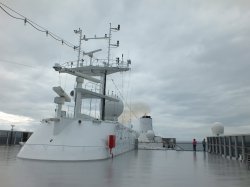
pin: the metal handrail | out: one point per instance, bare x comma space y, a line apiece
176, 145
64, 145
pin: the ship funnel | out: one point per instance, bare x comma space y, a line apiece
146, 124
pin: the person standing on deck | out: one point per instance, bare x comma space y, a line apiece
204, 144
194, 145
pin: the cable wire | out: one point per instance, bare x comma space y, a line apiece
36, 26
9, 13
12, 62
124, 99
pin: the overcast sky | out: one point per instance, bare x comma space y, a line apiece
190, 60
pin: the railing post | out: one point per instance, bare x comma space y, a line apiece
15, 138
7, 141
229, 147
208, 145
248, 161
243, 147
225, 150
236, 147
216, 145
220, 146
212, 144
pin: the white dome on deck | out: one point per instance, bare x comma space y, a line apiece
150, 134
113, 110
217, 128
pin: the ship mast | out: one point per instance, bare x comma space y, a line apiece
89, 72
79, 80
104, 79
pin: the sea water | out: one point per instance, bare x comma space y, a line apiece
133, 169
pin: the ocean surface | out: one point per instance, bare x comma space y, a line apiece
188, 146
133, 169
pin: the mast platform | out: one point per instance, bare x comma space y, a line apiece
100, 70
87, 94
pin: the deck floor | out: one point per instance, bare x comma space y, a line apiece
133, 169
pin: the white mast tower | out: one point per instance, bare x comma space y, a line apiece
91, 71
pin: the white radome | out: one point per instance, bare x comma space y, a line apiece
150, 134
217, 128
113, 110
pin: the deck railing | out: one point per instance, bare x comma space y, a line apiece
231, 146
188, 146
13, 137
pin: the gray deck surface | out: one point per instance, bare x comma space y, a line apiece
135, 168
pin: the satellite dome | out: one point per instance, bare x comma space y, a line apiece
150, 134
217, 128
113, 110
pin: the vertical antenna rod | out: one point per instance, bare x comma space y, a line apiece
114, 45
78, 97
79, 31
105, 73
109, 43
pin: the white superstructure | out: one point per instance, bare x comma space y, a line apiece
83, 137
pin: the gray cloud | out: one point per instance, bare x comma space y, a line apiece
189, 59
